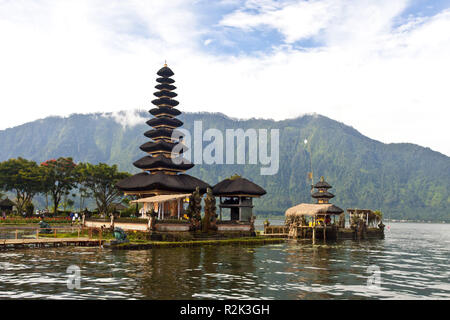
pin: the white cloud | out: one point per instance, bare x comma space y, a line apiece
387, 81
295, 21
126, 118
333, 21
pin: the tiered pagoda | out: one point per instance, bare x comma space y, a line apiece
322, 195
162, 174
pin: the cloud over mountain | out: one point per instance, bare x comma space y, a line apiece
380, 66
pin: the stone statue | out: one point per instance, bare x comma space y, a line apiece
120, 235
45, 227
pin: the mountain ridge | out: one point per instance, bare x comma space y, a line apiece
403, 179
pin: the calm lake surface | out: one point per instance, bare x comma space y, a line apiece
413, 263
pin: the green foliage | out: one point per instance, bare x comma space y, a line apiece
59, 178
128, 212
131, 220
379, 214
101, 181
172, 221
23, 177
137, 236
29, 209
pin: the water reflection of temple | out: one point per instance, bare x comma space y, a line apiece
207, 271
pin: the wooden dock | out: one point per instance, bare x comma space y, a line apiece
48, 242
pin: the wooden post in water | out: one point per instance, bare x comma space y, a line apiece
16, 233
100, 237
37, 233
78, 232
324, 232
314, 234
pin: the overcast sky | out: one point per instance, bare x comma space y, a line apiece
381, 66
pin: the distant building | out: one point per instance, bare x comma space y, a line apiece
6, 205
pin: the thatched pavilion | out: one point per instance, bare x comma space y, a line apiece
237, 194
313, 211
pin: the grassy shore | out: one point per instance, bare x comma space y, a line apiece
140, 244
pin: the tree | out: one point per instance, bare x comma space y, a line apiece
23, 177
67, 202
60, 176
210, 209
84, 194
101, 180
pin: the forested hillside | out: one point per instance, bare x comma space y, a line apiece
405, 181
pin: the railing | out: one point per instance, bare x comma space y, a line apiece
276, 230
33, 232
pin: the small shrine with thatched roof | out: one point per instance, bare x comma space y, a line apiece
321, 213
236, 194
318, 220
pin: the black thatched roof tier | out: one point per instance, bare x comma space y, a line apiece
165, 93
165, 72
163, 173
165, 110
161, 161
322, 184
165, 86
161, 146
163, 133
165, 80
159, 181
319, 195
237, 186
155, 122
165, 101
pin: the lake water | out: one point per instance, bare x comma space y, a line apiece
411, 263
